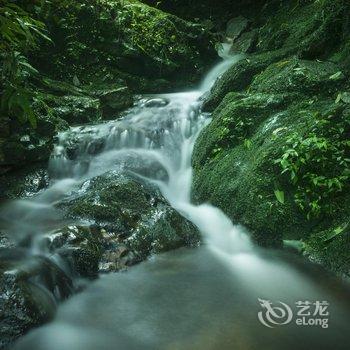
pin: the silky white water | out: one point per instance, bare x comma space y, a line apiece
188, 299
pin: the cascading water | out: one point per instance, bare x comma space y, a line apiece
189, 299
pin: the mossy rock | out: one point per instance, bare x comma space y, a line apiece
168, 231
239, 77
81, 247
121, 40
234, 168
26, 144
330, 247
133, 212
313, 28
85, 103
299, 76
234, 162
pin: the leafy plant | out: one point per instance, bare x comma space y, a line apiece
318, 162
19, 33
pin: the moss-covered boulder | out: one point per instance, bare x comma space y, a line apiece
299, 76
111, 40
275, 158
240, 75
314, 29
133, 213
80, 247
308, 30
85, 103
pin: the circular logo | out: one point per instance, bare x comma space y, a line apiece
273, 316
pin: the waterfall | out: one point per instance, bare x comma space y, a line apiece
159, 129
187, 299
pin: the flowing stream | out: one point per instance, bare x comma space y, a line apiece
205, 298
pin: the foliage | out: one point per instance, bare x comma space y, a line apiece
19, 33
318, 162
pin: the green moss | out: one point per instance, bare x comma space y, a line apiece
102, 41
242, 176
313, 28
299, 76
331, 247
239, 77
112, 200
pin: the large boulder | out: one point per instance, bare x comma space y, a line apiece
268, 158
85, 103
299, 76
239, 77
131, 214
124, 39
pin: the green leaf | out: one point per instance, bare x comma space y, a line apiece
336, 76
30, 68
280, 196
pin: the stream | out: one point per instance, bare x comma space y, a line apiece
227, 294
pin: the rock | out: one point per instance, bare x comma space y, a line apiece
299, 76
81, 247
163, 231
141, 42
131, 213
77, 109
306, 29
236, 156
114, 101
24, 182
236, 26
246, 43
221, 157
26, 145
29, 290
240, 75
330, 246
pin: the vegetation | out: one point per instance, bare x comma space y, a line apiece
19, 33
318, 162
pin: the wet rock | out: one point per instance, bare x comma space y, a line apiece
163, 230
79, 246
114, 100
24, 182
299, 76
78, 109
26, 145
130, 213
249, 132
240, 75
105, 49
306, 29
5, 242
29, 290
